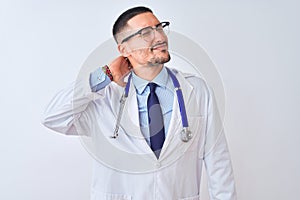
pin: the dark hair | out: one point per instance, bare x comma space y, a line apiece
122, 20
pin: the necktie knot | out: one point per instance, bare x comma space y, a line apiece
152, 86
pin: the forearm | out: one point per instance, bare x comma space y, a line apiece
219, 171
69, 104
63, 110
216, 156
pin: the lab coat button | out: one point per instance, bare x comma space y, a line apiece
157, 164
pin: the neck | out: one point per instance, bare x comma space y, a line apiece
148, 72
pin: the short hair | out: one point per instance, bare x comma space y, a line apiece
122, 20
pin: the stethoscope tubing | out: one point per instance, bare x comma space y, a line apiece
185, 134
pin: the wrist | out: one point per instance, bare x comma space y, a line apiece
107, 71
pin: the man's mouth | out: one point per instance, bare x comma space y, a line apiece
160, 46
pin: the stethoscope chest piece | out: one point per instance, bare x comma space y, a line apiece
186, 134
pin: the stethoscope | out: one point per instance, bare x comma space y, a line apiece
185, 134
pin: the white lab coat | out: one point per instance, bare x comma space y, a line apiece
126, 167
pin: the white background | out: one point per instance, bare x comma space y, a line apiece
255, 46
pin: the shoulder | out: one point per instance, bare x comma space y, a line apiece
194, 80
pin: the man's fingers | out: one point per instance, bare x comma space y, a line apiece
120, 67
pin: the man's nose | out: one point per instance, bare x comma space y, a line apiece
159, 36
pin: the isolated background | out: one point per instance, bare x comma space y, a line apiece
254, 44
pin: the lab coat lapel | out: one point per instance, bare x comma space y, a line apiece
131, 124
173, 141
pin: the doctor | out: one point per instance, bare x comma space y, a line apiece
164, 130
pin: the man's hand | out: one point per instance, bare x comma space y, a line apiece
119, 68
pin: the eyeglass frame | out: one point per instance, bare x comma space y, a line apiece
163, 24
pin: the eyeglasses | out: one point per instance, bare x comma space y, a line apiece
147, 33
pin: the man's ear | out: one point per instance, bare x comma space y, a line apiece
123, 50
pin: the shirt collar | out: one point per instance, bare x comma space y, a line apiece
161, 80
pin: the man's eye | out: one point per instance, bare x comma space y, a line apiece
146, 33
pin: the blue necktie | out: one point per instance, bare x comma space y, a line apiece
156, 122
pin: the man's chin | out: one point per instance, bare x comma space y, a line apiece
165, 58
168, 58
160, 60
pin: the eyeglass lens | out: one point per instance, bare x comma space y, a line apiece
148, 33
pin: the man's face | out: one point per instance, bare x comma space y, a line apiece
142, 50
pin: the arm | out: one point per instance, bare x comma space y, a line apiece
69, 105
66, 113
217, 158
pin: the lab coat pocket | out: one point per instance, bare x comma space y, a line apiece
109, 196
197, 127
117, 197
197, 197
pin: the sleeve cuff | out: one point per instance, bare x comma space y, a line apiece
98, 80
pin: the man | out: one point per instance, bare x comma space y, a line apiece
161, 161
